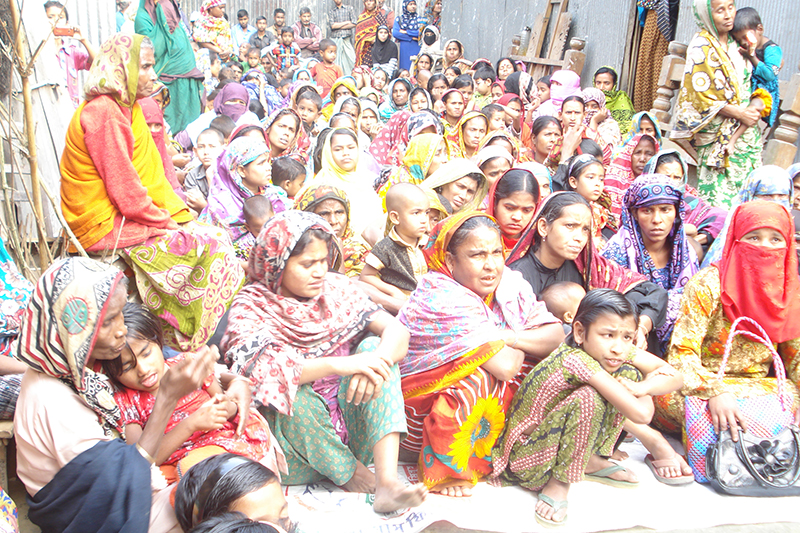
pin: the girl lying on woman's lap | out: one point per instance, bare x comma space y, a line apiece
569, 411
205, 422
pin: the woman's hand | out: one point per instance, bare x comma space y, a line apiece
690, 229
211, 415
749, 116
571, 141
644, 329
188, 375
239, 393
362, 389
725, 415
371, 364
196, 200
181, 160
637, 388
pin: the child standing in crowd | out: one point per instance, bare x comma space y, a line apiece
286, 52
396, 263
210, 143
288, 174
765, 56
71, 56
483, 79
326, 72
568, 412
202, 419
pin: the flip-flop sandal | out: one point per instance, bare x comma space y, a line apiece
604, 476
654, 465
557, 506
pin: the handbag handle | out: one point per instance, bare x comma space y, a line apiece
748, 463
780, 370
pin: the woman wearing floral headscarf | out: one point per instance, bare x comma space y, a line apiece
406, 32
470, 335
712, 103
291, 331
651, 240
425, 154
69, 454
242, 171
115, 197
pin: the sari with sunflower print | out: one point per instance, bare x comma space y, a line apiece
455, 409
715, 76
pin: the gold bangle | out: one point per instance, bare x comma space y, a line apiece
150, 459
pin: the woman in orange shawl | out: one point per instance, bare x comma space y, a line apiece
366, 31
115, 197
471, 332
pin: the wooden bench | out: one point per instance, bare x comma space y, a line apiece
781, 147
6, 434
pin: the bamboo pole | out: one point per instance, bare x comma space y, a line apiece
36, 195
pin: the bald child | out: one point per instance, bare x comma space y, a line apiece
396, 264
562, 299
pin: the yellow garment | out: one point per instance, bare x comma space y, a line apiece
416, 162
85, 202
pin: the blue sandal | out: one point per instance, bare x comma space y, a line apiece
557, 506
604, 476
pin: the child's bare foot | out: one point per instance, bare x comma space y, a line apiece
455, 491
556, 491
363, 480
398, 496
619, 455
597, 463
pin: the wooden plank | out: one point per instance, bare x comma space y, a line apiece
539, 61
537, 37
559, 39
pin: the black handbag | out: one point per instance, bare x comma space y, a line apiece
754, 466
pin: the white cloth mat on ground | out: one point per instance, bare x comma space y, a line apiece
592, 507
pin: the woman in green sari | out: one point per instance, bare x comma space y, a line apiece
712, 102
175, 65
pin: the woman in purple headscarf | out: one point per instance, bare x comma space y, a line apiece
232, 100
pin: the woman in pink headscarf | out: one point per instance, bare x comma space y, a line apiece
563, 84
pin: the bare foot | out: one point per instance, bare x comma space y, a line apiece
363, 480
619, 455
397, 496
597, 463
455, 491
556, 490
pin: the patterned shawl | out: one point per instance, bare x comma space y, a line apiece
766, 180
619, 175
699, 213
209, 29
115, 70
433, 20
390, 143
419, 155
600, 274
517, 149
354, 249
366, 32
712, 80
608, 130
60, 326
621, 107
409, 21
269, 336
455, 139
447, 321
300, 145
627, 247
